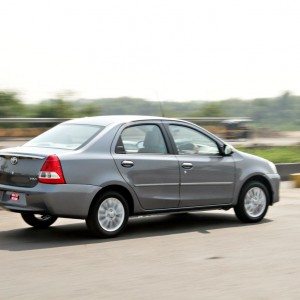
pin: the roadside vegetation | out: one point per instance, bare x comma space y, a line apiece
280, 154
279, 113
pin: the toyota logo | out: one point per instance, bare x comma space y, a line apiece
14, 160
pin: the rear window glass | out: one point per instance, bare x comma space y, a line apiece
65, 136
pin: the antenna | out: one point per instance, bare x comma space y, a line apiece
160, 104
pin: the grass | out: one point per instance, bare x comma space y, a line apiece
280, 154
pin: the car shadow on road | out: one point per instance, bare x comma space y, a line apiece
141, 227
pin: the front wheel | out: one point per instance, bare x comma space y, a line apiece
38, 221
253, 202
108, 216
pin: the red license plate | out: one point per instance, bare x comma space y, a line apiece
14, 196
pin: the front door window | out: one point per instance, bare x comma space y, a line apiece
189, 141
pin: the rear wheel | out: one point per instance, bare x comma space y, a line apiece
109, 215
253, 202
38, 221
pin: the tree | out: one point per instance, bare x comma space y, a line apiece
89, 109
211, 110
10, 105
55, 108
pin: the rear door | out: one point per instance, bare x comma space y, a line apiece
142, 154
206, 176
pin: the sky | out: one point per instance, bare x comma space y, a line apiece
160, 50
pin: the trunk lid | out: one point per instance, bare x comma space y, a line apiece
20, 166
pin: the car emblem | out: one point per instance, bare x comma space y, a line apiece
14, 160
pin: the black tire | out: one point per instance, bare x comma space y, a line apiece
93, 222
240, 209
41, 222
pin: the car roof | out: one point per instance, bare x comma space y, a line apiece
114, 119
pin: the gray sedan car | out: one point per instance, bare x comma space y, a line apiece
109, 168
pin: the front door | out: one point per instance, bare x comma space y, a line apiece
142, 157
206, 176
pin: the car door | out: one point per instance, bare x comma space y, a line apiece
142, 154
206, 176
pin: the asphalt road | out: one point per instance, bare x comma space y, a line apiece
206, 255
287, 138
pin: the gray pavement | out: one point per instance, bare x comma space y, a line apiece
12, 142
287, 138
203, 255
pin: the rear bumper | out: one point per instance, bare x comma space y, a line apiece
70, 200
274, 180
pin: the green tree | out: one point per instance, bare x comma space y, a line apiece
55, 108
90, 109
10, 105
211, 110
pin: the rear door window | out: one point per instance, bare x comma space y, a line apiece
142, 139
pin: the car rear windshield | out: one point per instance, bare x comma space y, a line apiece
66, 136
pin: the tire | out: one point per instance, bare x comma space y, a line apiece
115, 212
252, 209
38, 221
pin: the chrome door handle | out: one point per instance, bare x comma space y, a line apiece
127, 163
187, 165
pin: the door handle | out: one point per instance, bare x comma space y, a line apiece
127, 163
187, 165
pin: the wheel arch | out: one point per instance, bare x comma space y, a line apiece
116, 188
263, 180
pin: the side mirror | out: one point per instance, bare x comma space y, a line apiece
227, 150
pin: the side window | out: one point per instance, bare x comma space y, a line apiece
141, 139
190, 141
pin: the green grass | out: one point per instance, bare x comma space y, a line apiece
280, 154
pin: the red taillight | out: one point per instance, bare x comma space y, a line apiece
51, 171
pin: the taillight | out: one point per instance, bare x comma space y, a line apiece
51, 171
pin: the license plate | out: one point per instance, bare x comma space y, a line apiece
14, 196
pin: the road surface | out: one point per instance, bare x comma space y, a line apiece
206, 255
287, 138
